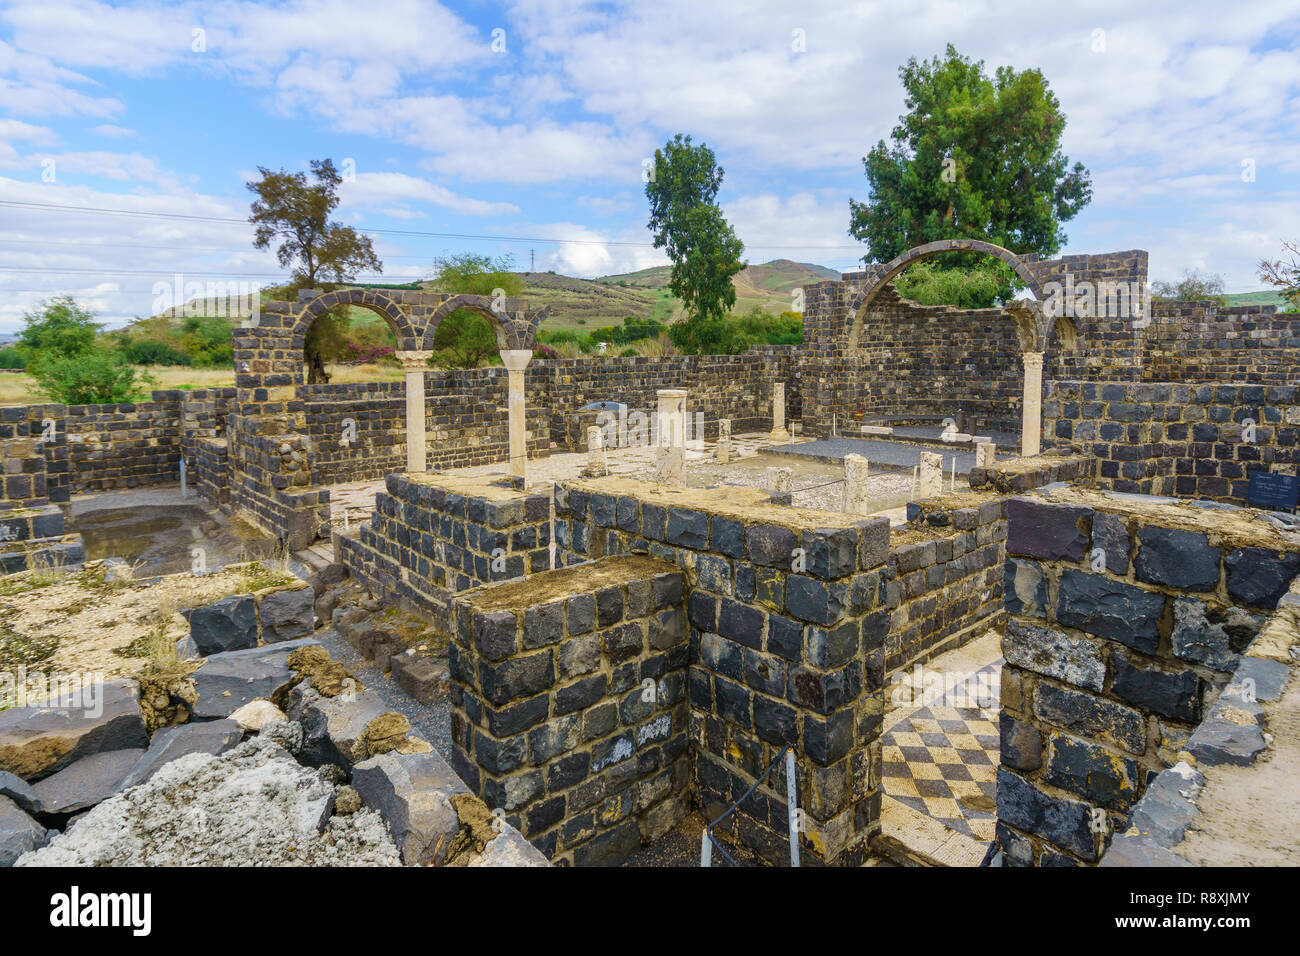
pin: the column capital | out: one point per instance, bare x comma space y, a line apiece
516, 360
413, 360
1032, 359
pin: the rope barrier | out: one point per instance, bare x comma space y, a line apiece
709, 841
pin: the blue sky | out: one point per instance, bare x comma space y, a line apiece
532, 121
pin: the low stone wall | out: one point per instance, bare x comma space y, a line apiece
1125, 617
569, 705
788, 630
433, 536
1233, 734
943, 579
1174, 439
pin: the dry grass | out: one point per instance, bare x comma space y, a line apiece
78, 623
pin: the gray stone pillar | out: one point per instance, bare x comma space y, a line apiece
516, 360
723, 450
855, 485
779, 435
1031, 422
672, 417
931, 480
415, 364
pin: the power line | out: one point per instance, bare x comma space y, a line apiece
418, 234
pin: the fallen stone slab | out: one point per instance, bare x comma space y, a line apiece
86, 782
253, 805
345, 729
38, 741
19, 832
287, 615
412, 793
226, 682
226, 625
171, 743
20, 792
424, 678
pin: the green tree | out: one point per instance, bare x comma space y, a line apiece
1194, 286
975, 287
689, 225
295, 212
1284, 275
61, 328
67, 362
466, 338
973, 158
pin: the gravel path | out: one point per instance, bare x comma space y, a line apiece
431, 722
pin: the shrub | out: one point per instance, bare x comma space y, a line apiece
93, 378
12, 358
154, 353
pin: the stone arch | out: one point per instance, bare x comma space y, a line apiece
403, 331
502, 323
890, 270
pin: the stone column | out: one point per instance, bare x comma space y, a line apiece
986, 453
723, 450
672, 417
596, 464
779, 435
516, 360
1031, 422
931, 482
781, 480
855, 485
415, 364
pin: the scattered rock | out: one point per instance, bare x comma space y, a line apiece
251, 806
85, 783
19, 833
228, 681
326, 676
226, 625
255, 714
171, 743
38, 741
286, 615
20, 792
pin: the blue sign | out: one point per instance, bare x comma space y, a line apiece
1273, 492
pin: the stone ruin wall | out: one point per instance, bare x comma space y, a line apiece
1111, 664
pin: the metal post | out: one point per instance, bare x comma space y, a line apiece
183, 493
792, 802
706, 849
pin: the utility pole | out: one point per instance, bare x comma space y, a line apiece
532, 261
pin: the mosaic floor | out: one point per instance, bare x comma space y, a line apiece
940, 752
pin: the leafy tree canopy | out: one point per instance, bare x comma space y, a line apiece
973, 158
61, 328
466, 338
688, 224
1194, 286
294, 211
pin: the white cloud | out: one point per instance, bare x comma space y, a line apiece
374, 189
113, 132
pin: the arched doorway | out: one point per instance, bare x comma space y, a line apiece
1032, 328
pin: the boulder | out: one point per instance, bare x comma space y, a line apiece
346, 729
19, 833
38, 741
205, 737
86, 782
226, 682
287, 615
412, 794
226, 625
254, 715
20, 792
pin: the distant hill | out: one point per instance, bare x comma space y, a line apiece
1267, 297
591, 303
